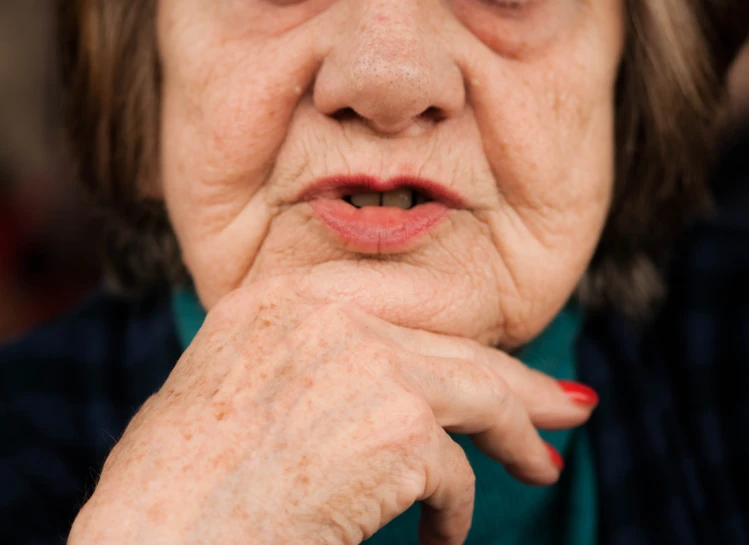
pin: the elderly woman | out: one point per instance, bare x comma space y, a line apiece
363, 236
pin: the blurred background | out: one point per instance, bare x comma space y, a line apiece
47, 251
47, 260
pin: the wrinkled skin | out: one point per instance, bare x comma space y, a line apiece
250, 90
313, 404
295, 421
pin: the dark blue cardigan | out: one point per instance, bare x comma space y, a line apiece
671, 435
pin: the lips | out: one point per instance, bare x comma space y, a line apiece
373, 216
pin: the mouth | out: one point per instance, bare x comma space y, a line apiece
372, 216
404, 198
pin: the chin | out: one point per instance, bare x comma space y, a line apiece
402, 293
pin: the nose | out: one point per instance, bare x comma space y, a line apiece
390, 69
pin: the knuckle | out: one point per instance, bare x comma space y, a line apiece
508, 412
461, 469
329, 321
499, 389
464, 469
467, 493
382, 360
471, 350
412, 425
333, 314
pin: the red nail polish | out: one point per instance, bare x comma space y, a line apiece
556, 458
579, 393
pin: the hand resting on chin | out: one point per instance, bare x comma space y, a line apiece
293, 420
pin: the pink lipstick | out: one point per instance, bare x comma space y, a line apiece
374, 216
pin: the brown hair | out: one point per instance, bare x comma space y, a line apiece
669, 92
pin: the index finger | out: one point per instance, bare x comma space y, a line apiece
546, 400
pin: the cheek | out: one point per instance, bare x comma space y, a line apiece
225, 115
547, 120
549, 139
548, 136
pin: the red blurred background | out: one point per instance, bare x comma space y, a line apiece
47, 252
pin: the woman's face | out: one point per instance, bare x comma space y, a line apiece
277, 112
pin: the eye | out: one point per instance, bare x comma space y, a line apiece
511, 7
511, 4
284, 2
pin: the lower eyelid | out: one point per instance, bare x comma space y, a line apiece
510, 4
511, 9
513, 28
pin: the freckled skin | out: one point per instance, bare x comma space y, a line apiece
330, 421
312, 407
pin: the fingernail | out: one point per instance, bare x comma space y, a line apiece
579, 393
556, 458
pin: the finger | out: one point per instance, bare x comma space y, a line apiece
447, 508
548, 403
474, 400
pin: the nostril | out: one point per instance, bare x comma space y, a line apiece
433, 114
346, 114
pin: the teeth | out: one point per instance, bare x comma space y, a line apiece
403, 198
399, 198
366, 199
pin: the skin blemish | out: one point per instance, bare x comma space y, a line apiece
265, 323
222, 409
157, 513
239, 512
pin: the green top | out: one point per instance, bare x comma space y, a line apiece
506, 512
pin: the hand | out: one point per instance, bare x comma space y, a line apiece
289, 420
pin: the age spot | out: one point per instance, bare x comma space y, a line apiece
222, 409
